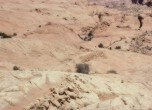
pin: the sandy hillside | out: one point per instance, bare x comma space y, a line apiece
44, 40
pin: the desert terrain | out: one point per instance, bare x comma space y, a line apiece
75, 55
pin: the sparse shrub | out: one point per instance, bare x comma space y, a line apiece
110, 48
16, 68
134, 1
40, 26
65, 18
140, 2
112, 72
118, 47
3, 35
49, 23
122, 81
149, 3
75, 3
100, 45
133, 38
14, 34
82, 68
99, 16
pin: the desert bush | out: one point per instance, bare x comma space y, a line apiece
100, 45
40, 26
110, 48
134, 1
3, 35
149, 3
112, 72
82, 68
118, 47
134, 39
14, 34
65, 18
15, 68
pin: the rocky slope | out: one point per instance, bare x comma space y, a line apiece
38, 37
47, 90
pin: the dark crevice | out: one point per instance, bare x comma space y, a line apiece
140, 2
89, 34
140, 18
134, 1
149, 3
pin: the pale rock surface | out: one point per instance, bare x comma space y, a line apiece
53, 90
52, 36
